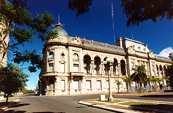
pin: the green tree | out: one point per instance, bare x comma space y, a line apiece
139, 74
169, 75
154, 80
141, 10
147, 81
136, 10
128, 81
80, 6
22, 27
118, 84
14, 79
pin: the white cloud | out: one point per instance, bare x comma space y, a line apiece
165, 52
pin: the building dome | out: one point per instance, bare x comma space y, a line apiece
59, 29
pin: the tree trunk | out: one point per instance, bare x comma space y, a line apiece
7, 97
127, 88
118, 88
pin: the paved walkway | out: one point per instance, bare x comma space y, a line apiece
4, 105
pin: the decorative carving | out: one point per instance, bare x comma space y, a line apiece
74, 40
130, 49
151, 54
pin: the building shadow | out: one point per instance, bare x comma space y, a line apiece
160, 108
158, 96
12, 111
48, 112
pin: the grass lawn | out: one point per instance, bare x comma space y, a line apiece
137, 103
114, 101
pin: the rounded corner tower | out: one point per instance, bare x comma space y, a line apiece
59, 29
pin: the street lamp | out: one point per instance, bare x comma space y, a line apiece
109, 63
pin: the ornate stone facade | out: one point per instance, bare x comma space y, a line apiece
75, 65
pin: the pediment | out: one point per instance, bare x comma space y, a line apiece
131, 50
151, 54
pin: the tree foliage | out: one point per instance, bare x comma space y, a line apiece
80, 6
136, 10
139, 74
22, 27
128, 81
118, 84
141, 10
27, 91
13, 79
169, 75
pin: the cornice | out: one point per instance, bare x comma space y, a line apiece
84, 47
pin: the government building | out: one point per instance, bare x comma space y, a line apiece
76, 66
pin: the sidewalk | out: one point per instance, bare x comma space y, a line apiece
4, 105
161, 107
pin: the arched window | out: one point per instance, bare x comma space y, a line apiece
87, 62
106, 69
161, 73
97, 63
75, 57
123, 71
51, 84
51, 55
115, 67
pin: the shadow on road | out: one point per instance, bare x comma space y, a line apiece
49, 112
158, 96
18, 105
160, 107
12, 111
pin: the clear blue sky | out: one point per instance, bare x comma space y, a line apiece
97, 25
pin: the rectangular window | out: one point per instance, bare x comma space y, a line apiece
51, 67
107, 84
88, 84
75, 67
62, 67
99, 84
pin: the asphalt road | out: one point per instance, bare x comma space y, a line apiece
59, 104
68, 104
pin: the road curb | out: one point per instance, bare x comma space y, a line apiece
2, 109
121, 110
107, 108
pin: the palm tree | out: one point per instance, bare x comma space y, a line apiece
118, 84
139, 74
154, 80
128, 81
159, 80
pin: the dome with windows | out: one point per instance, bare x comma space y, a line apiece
59, 29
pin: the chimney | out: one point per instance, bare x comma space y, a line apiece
146, 45
119, 41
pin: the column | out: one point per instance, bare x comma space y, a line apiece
57, 86
119, 69
92, 67
111, 70
125, 69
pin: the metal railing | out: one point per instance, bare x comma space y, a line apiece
148, 88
